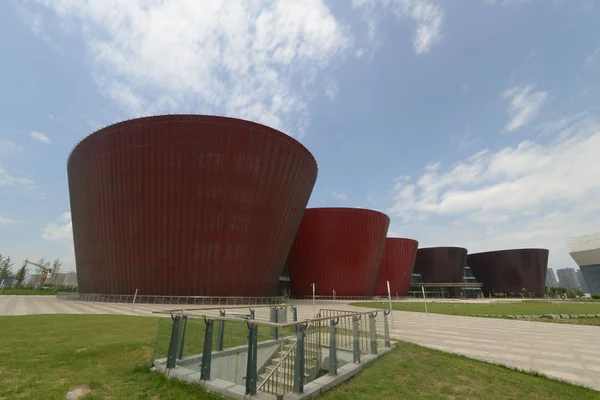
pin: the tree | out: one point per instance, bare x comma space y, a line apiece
55, 270
21, 275
5, 267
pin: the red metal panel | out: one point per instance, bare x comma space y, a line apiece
509, 271
337, 248
396, 266
186, 205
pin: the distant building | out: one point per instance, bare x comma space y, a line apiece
567, 278
585, 250
8, 281
581, 280
33, 280
65, 279
551, 280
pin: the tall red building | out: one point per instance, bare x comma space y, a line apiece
337, 249
186, 205
396, 266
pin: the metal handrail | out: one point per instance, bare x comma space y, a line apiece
284, 358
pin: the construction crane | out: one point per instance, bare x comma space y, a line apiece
45, 271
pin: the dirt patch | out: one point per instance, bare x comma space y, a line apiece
81, 349
63, 380
2, 369
78, 392
402, 378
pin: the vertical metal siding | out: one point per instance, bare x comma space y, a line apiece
337, 248
396, 266
186, 205
441, 264
508, 271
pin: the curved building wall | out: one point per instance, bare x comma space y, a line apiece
337, 248
396, 266
441, 264
186, 205
508, 271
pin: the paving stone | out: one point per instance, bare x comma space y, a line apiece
565, 316
582, 315
574, 316
591, 315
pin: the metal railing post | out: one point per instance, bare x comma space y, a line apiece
295, 317
274, 319
251, 313
207, 350
332, 347
184, 320
372, 329
299, 361
221, 332
174, 342
386, 329
355, 337
251, 366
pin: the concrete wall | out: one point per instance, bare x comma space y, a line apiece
230, 364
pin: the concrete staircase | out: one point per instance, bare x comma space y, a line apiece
281, 381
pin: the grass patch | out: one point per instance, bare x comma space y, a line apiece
43, 356
28, 292
500, 309
411, 372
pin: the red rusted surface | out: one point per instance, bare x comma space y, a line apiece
337, 248
186, 205
396, 266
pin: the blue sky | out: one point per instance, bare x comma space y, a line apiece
471, 123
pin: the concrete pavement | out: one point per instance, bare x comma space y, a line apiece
562, 351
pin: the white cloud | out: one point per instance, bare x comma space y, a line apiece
40, 137
251, 60
7, 179
59, 231
427, 15
524, 107
8, 221
533, 194
339, 196
8, 147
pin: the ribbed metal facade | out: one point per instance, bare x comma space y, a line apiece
337, 249
186, 205
396, 266
509, 271
441, 264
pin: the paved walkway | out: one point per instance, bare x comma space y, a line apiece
567, 352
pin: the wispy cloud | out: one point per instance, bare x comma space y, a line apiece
532, 194
40, 137
524, 105
59, 231
251, 60
8, 221
338, 196
7, 147
428, 17
8, 179
331, 90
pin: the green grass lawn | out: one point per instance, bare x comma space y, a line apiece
498, 309
28, 292
43, 356
411, 372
